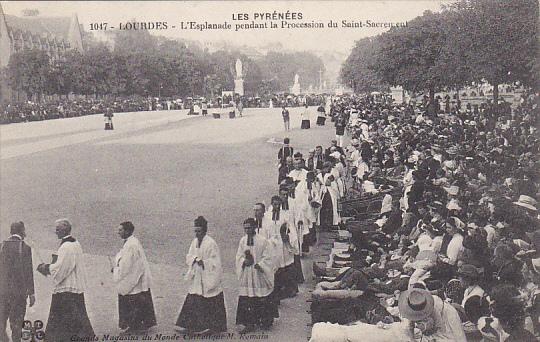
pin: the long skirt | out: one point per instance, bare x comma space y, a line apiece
306, 124
67, 318
321, 120
327, 211
309, 239
253, 311
298, 269
136, 311
199, 313
285, 283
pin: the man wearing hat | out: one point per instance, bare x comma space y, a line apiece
431, 315
527, 202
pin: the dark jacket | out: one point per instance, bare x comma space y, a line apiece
17, 276
311, 165
284, 152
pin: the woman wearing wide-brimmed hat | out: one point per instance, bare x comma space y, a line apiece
429, 314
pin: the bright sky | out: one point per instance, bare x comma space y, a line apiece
342, 39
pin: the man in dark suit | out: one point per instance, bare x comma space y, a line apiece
285, 169
285, 151
16, 282
318, 158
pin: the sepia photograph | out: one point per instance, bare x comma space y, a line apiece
282, 171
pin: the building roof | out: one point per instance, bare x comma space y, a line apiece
55, 26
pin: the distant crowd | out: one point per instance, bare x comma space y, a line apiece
80, 106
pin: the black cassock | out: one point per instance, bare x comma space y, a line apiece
67, 318
199, 313
136, 311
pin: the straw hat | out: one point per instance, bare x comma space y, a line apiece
416, 304
526, 202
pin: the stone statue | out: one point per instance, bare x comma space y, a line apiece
295, 89
238, 69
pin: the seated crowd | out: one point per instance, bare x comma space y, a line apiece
30, 111
437, 227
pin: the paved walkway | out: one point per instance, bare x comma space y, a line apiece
51, 134
159, 172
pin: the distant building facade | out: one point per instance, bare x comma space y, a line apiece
54, 35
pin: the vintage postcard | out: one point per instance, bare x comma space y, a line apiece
269, 170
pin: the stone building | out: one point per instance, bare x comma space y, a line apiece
51, 34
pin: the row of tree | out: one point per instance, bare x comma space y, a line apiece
145, 65
468, 41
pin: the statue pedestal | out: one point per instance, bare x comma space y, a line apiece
295, 89
239, 87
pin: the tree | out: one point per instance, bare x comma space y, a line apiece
358, 70
411, 56
28, 72
134, 42
499, 39
282, 66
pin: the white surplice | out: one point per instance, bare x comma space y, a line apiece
305, 196
68, 273
282, 254
333, 190
253, 282
297, 219
205, 280
132, 271
298, 175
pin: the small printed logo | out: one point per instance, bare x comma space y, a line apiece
33, 332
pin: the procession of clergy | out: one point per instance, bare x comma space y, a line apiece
267, 265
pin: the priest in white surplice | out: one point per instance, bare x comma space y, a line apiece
67, 316
294, 205
131, 273
298, 173
282, 239
329, 215
255, 271
308, 193
204, 308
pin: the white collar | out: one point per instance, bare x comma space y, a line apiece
17, 235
